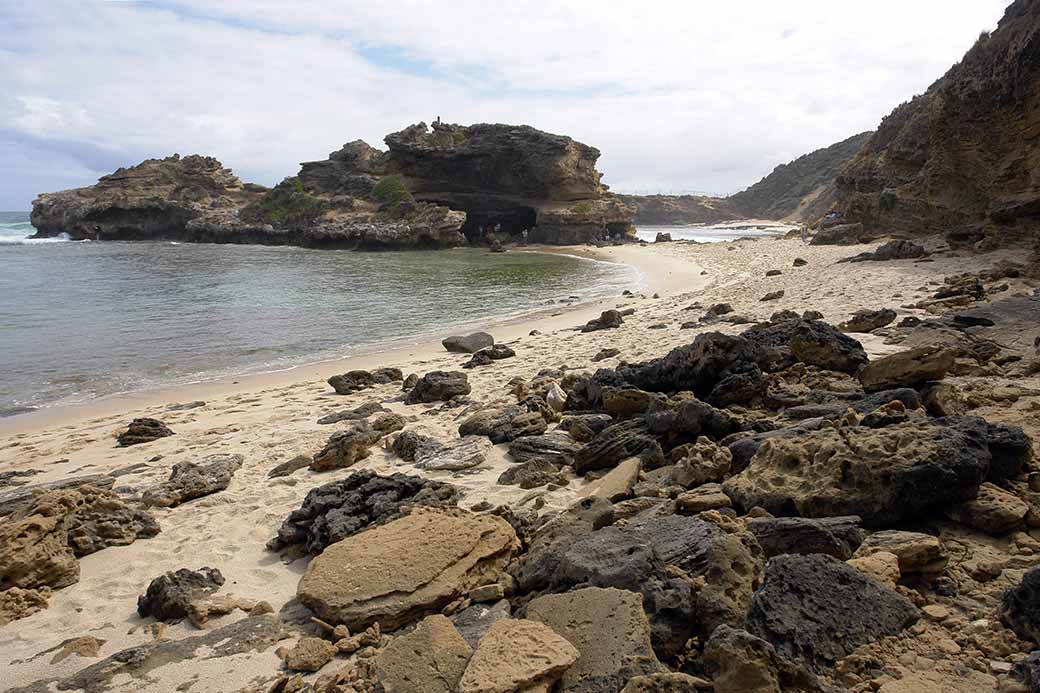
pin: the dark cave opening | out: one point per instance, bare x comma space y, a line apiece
511, 221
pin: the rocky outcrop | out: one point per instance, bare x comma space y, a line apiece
517, 655
959, 156
169, 595
430, 659
189, 481
434, 188
439, 557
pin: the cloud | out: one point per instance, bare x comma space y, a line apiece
677, 95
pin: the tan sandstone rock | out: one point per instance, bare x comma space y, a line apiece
610, 630
882, 566
517, 655
396, 572
920, 554
309, 654
430, 659
618, 482
994, 510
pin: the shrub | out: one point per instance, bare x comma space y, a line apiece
390, 192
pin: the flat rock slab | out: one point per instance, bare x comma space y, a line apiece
430, 659
467, 453
418, 564
517, 655
12, 500
189, 481
610, 631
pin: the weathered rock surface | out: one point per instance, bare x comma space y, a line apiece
346, 448
883, 475
354, 381
608, 319
438, 386
920, 555
1020, 607
910, 368
189, 481
744, 663
337, 510
840, 234
475, 620
488, 355
616, 443
39, 544
309, 654
816, 609
834, 536
665, 683
893, 250
465, 453
811, 342
16, 603
169, 596
610, 631
437, 557
533, 473
143, 430
517, 655
430, 659
868, 320
468, 344
504, 424
993, 510
359, 412
555, 446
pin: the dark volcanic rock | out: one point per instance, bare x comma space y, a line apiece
842, 234
143, 430
834, 536
817, 609
169, 595
468, 344
438, 386
408, 444
608, 319
364, 499
811, 342
742, 662
1020, 607
289, 466
616, 443
504, 424
353, 381
489, 355
555, 446
868, 320
893, 250
189, 481
884, 475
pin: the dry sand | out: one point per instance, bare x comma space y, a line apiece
271, 418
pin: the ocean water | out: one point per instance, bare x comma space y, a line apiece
711, 234
80, 320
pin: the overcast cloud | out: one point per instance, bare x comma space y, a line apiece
692, 95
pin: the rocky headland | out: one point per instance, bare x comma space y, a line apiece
434, 188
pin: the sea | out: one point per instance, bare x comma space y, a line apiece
81, 320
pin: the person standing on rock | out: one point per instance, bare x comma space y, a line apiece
523, 235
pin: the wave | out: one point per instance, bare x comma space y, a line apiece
7, 238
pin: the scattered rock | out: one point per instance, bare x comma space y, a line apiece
555, 446
617, 484
1020, 607
799, 262
893, 250
816, 609
200, 610
868, 320
504, 424
773, 295
920, 555
773, 273
533, 473
704, 497
289, 466
437, 557
604, 354
309, 654
909, 368
168, 596
994, 510
663, 237
516, 655
610, 631
430, 659
356, 414
345, 448
469, 344
616, 443
184, 406
466, 453
407, 444
143, 430
841, 234
811, 342
486, 357
340, 509
189, 481
16, 603
438, 386
744, 663
354, 381
608, 319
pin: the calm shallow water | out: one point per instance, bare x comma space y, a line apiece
79, 320
709, 234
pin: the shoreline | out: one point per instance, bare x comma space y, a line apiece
553, 318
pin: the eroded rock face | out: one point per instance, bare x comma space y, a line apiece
1020, 607
958, 155
438, 557
517, 654
834, 536
337, 510
811, 342
169, 596
438, 386
744, 663
610, 631
816, 609
883, 475
909, 368
430, 659
189, 481
346, 448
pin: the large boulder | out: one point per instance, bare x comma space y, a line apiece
469, 344
430, 659
337, 510
817, 609
841, 234
811, 342
610, 631
884, 475
438, 386
437, 557
189, 480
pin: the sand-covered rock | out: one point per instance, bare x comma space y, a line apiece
189, 481
437, 557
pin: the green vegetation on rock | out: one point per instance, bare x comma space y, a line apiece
288, 204
391, 193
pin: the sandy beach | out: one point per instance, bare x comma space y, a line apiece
271, 418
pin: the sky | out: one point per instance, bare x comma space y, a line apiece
690, 96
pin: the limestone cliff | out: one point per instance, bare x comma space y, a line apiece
666, 210
963, 157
